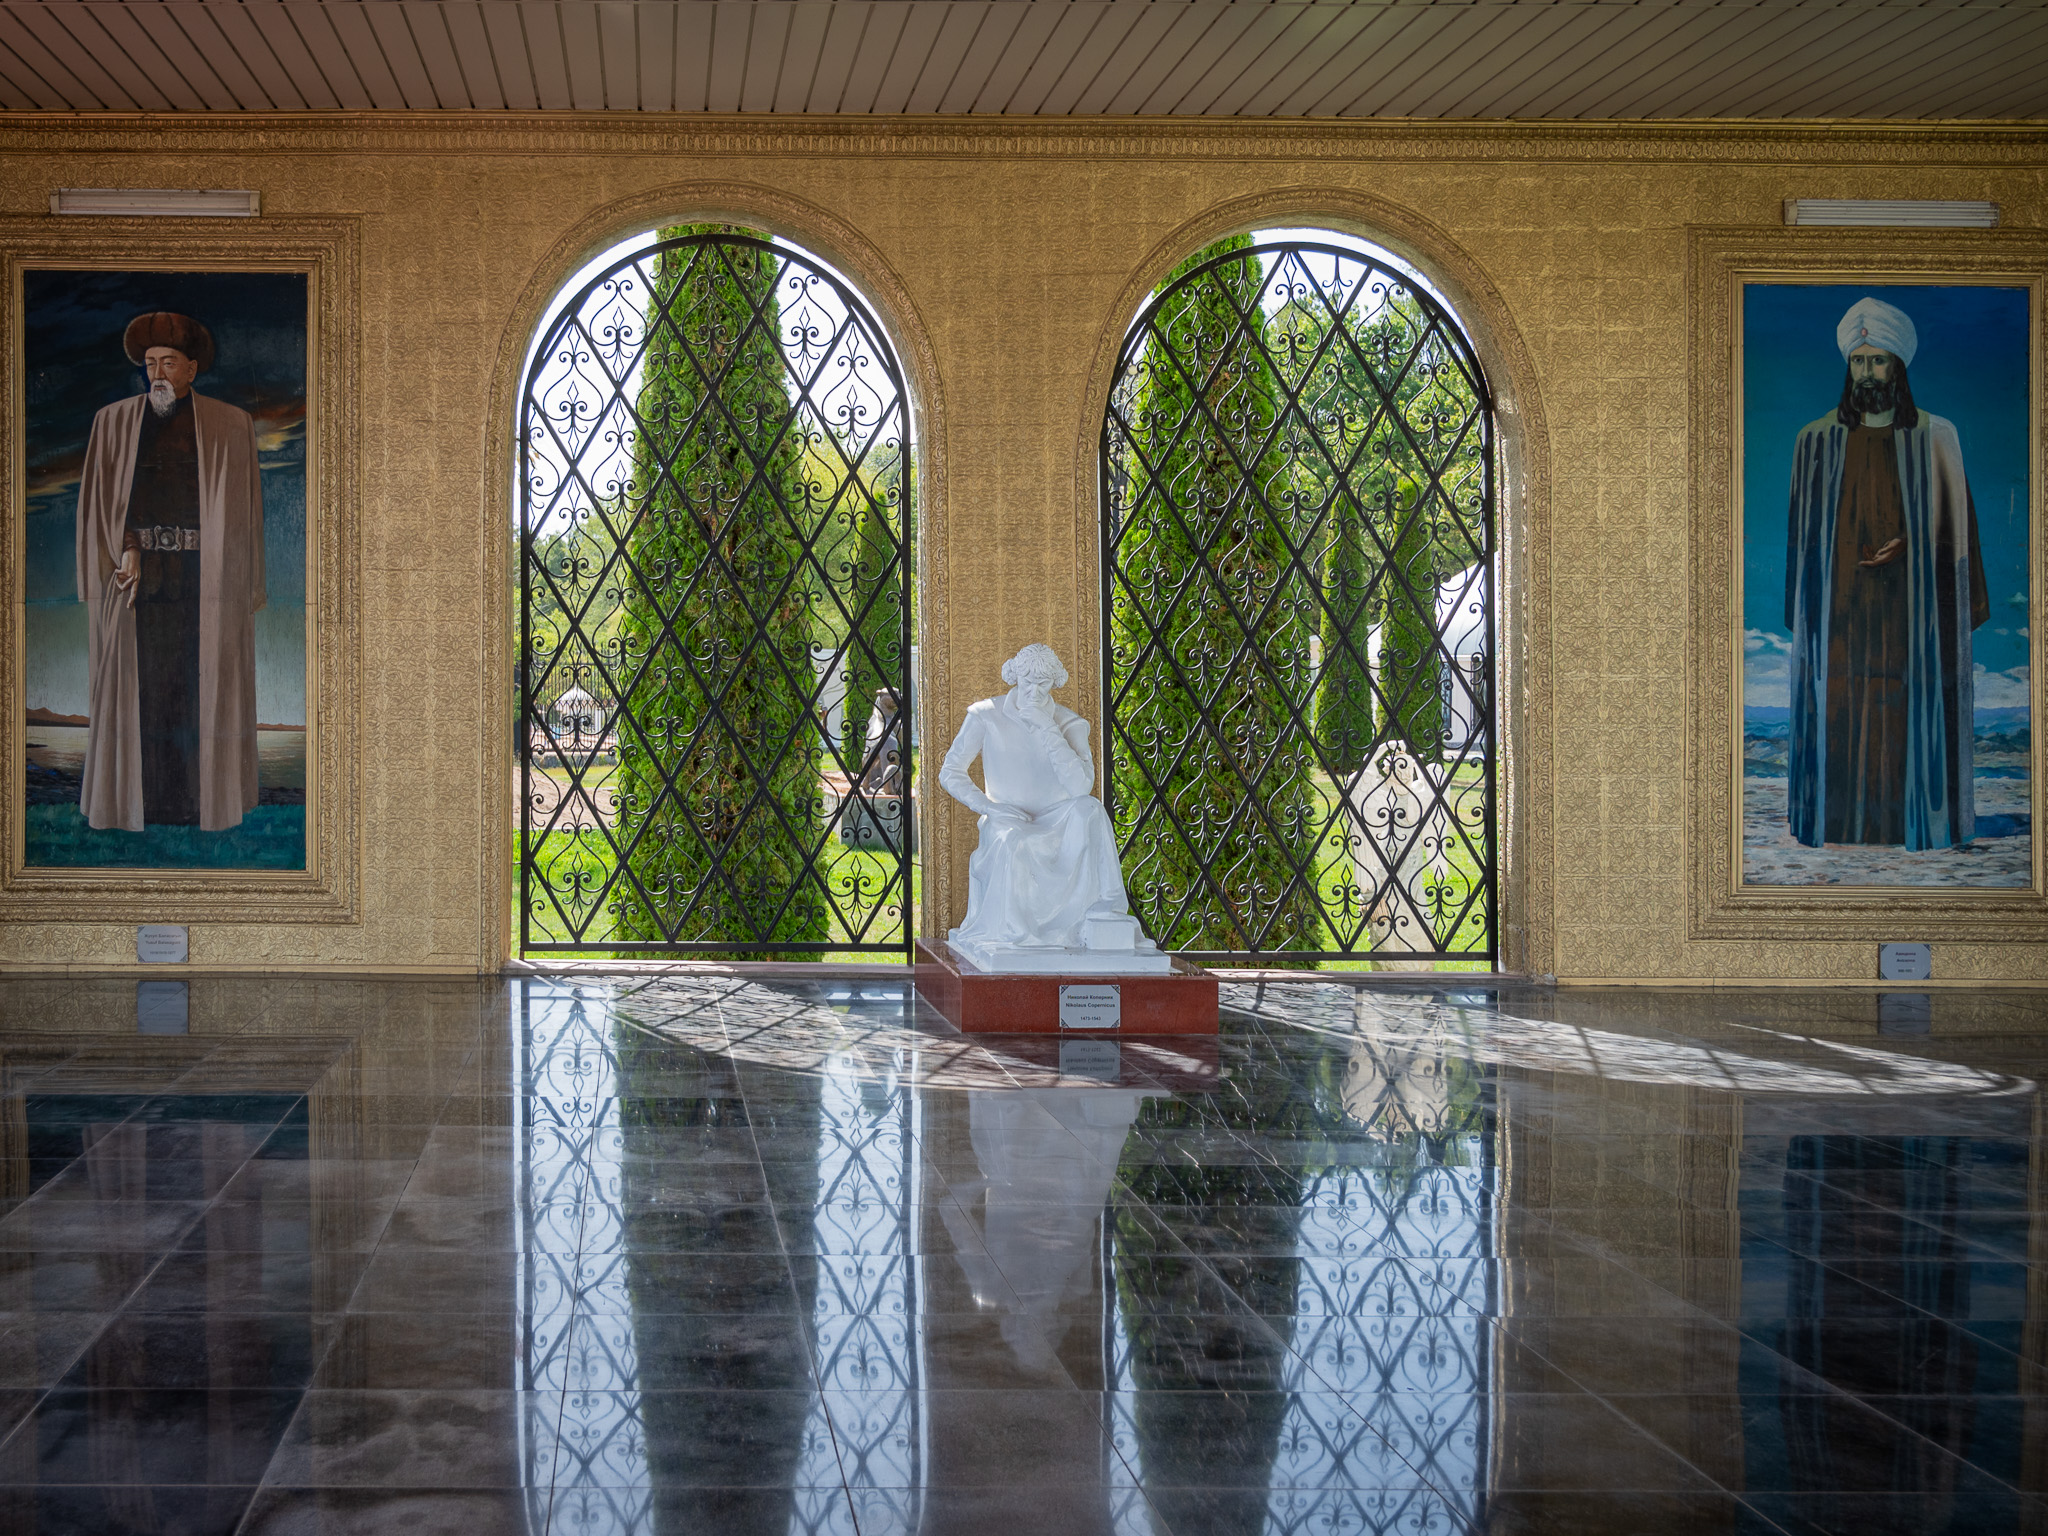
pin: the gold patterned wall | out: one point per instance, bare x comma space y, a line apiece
1007, 258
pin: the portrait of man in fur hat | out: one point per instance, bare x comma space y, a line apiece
170, 569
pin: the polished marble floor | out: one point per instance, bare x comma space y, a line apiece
695, 1253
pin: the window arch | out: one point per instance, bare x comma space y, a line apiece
1298, 570
715, 610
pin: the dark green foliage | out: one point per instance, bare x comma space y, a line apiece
719, 802
1395, 410
1344, 712
878, 590
1215, 808
680, 1111
1210, 1378
1411, 667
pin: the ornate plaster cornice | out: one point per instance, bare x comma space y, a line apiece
1716, 140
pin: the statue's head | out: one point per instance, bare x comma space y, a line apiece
1035, 664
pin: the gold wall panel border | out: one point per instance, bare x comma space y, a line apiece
1706, 141
1720, 261
1525, 905
862, 263
327, 890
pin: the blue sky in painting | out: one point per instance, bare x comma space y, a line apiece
1971, 367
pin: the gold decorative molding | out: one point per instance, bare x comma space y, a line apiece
326, 891
1851, 142
862, 263
1723, 907
1525, 912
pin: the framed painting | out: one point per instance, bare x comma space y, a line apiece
1873, 582
179, 566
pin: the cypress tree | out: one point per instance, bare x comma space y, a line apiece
1215, 806
1344, 711
876, 660
719, 797
1392, 381
1411, 670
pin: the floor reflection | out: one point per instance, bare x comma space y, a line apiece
584, 1444
1888, 1276
669, 1254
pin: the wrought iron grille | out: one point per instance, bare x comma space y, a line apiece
1298, 508
715, 701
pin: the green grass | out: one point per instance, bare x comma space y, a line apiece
1333, 871
560, 850
588, 857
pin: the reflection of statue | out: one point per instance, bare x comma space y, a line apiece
1044, 876
1047, 1158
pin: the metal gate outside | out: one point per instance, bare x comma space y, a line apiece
715, 609
1298, 510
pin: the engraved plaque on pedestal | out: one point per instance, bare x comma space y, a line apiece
1086, 1007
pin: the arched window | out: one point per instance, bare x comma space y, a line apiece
1298, 592
715, 487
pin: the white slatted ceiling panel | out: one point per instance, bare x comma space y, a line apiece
1558, 59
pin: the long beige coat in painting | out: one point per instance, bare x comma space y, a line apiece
230, 592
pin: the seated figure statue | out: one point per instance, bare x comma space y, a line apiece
1044, 890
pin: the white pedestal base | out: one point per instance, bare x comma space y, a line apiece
1008, 960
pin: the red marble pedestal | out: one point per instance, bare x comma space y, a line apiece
975, 1002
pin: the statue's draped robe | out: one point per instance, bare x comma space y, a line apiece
1030, 885
1882, 728
230, 579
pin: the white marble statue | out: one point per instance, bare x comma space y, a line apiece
1044, 891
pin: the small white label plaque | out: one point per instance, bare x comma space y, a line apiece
1904, 962
161, 944
1099, 1007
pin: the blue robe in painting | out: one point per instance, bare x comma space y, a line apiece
1945, 601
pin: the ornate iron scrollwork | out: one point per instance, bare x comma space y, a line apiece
715, 699
1298, 508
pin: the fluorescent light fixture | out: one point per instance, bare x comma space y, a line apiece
157, 202
1845, 212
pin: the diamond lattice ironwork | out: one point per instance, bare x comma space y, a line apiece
714, 696
1298, 505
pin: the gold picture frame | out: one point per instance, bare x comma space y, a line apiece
1723, 265
326, 890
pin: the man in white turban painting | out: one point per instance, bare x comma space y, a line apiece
1884, 583
170, 569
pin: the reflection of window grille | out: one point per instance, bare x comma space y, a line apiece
865, 1320
1388, 1368
1385, 1380
583, 1441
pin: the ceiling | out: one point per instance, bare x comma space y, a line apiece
1548, 59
